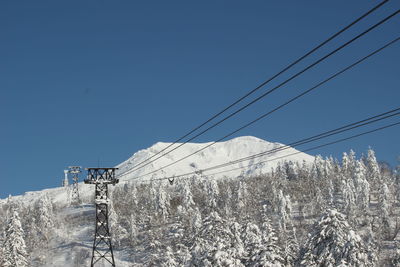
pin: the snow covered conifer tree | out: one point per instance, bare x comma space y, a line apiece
284, 210
318, 170
362, 188
212, 193
383, 208
168, 258
15, 254
331, 194
319, 202
241, 195
333, 243
213, 244
352, 161
291, 248
373, 172
269, 254
345, 165
291, 170
45, 217
329, 168
349, 197
187, 196
237, 250
280, 172
195, 220
252, 238
163, 202
32, 238
119, 233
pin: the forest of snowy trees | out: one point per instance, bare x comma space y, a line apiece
329, 213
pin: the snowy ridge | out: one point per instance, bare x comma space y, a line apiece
219, 153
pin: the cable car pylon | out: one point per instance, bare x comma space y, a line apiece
102, 247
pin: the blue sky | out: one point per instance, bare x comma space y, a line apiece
92, 82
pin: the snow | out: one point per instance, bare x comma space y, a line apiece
76, 236
219, 153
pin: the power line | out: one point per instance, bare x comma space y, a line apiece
324, 145
275, 109
311, 139
348, 127
285, 156
268, 80
276, 87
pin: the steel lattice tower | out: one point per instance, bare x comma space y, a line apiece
102, 248
75, 170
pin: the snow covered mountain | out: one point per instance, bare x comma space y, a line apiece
201, 221
219, 153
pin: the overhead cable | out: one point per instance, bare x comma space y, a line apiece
285, 156
275, 109
265, 82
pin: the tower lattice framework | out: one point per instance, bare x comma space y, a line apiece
102, 247
75, 170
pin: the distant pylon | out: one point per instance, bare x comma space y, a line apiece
102, 248
75, 170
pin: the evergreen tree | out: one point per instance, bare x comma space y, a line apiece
15, 254
269, 254
318, 170
346, 165
237, 251
331, 194
187, 196
383, 209
212, 193
291, 170
32, 238
362, 189
168, 258
163, 202
329, 168
333, 243
241, 196
195, 220
373, 171
119, 233
291, 248
284, 211
252, 239
133, 230
349, 197
213, 244
45, 218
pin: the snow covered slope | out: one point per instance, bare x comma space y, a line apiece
74, 226
216, 154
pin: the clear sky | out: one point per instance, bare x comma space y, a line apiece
92, 82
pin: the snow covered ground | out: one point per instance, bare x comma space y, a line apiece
75, 227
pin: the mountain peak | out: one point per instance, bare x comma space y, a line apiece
206, 155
